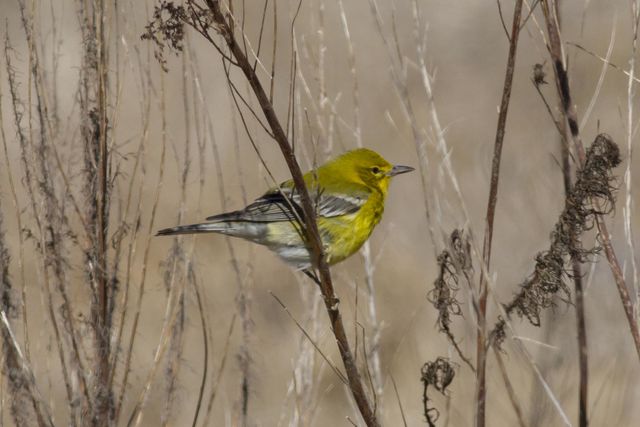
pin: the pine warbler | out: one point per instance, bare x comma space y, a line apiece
348, 193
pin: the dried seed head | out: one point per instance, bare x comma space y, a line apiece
438, 374
539, 75
592, 194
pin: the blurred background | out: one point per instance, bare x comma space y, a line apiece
179, 151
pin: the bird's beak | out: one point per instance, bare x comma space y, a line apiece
398, 169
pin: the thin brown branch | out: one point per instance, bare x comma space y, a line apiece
264, 15
605, 61
332, 365
481, 360
504, 26
205, 346
395, 389
583, 361
274, 51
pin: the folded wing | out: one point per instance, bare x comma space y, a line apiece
285, 205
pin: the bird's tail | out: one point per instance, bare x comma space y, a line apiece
206, 227
243, 229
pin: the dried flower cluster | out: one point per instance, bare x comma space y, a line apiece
438, 374
452, 263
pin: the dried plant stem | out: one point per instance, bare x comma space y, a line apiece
605, 61
243, 298
223, 362
332, 365
583, 360
21, 374
171, 311
311, 228
571, 116
16, 205
53, 223
205, 343
481, 360
140, 157
582, 346
124, 302
94, 117
631, 94
178, 259
509, 386
27, 162
374, 343
22, 399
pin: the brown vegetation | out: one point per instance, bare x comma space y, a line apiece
118, 118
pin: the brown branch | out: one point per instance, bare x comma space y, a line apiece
100, 306
481, 361
576, 268
311, 227
583, 361
205, 344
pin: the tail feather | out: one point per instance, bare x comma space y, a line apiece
227, 216
242, 229
207, 227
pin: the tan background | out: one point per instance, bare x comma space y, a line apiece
466, 51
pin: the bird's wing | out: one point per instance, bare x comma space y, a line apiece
285, 205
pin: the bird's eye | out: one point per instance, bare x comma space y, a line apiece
375, 170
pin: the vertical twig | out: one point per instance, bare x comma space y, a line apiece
583, 361
104, 412
481, 361
631, 94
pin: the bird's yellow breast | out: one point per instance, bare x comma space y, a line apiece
342, 236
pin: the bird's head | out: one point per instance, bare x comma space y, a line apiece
370, 168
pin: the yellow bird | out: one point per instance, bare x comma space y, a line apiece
348, 193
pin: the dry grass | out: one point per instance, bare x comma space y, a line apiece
107, 137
